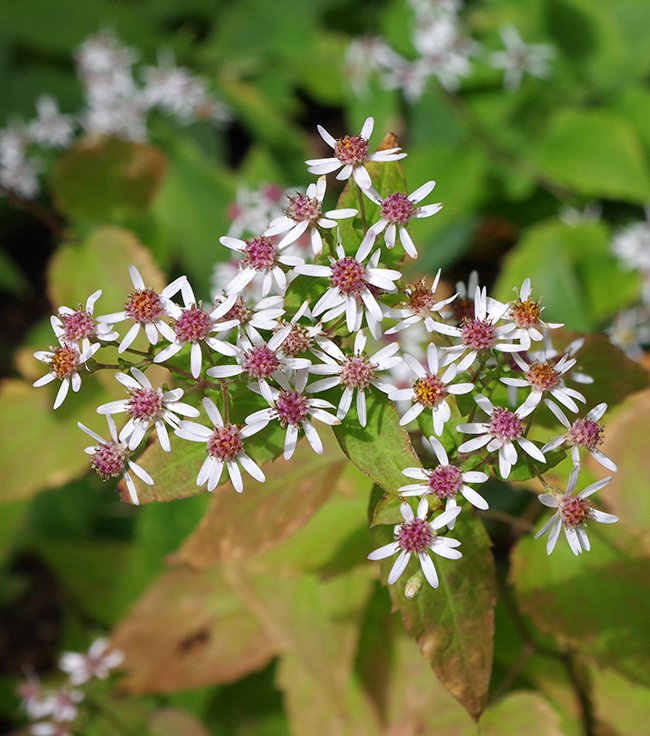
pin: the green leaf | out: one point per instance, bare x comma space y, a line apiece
597, 154
598, 602
383, 448
454, 624
190, 629
620, 704
99, 180
522, 712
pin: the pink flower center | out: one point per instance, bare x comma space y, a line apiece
525, 314
108, 460
193, 325
397, 208
445, 481
414, 536
260, 253
574, 510
261, 362
429, 391
357, 372
349, 276
64, 361
351, 149
302, 208
542, 376
297, 341
225, 443
145, 403
77, 325
292, 408
478, 334
144, 306
238, 311
585, 433
505, 425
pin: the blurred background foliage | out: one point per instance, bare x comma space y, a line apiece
239, 648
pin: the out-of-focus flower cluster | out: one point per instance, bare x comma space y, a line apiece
297, 338
444, 51
119, 99
58, 712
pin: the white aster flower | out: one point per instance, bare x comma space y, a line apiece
262, 259
420, 308
350, 154
50, 728
303, 214
147, 308
526, 315
96, 662
630, 331
429, 390
261, 361
572, 514
225, 447
479, 334
544, 376
445, 481
416, 536
33, 699
504, 429
63, 704
356, 372
65, 362
396, 210
519, 58
302, 337
246, 317
145, 406
351, 287
110, 459
21, 176
72, 326
192, 326
584, 432
552, 354
51, 128
293, 409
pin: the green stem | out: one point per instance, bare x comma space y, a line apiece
362, 207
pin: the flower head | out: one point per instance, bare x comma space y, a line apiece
64, 362
519, 58
96, 662
420, 306
526, 314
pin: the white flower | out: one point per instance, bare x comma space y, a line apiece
350, 154
147, 309
110, 459
63, 704
500, 433
33, 699
630, 331
50, 728
415, 535
355, 372
72, 326
480, 333
262, 258
526, 315
585, 432
520, 58
396, 210
294, 410
545, 376
193, 326
253, 209
224, 444
21, 177
145, 406
305, 213
572, 513
350, 287
445, 481
549, 352
51, 128
235, 308
429, 390
65, 362
420, 307
97, 662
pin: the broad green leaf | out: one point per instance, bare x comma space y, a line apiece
383, 448
188, 630
454, 624
597, 154
235, 526
99, 180
598, 602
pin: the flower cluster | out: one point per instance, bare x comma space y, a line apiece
118, 102
55, 711
328, 345
444, 51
